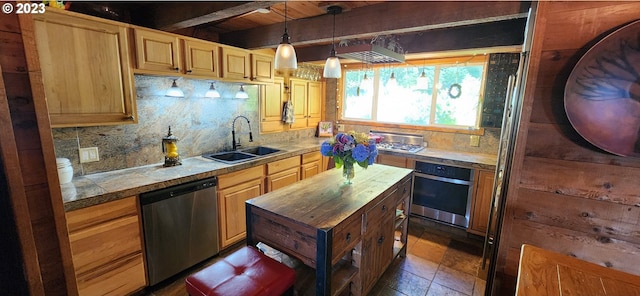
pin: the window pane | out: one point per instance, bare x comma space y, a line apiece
358, 101
400, 100
458, 95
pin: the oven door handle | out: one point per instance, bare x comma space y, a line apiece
443, 179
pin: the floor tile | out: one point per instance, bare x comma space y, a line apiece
439, 290
462, 257
454, 279
428, 250
478, 288
416, 265
409, 283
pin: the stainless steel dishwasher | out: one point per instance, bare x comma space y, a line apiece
180, 227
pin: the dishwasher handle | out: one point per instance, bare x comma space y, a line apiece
182, 189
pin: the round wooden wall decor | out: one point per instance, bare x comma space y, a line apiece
602, 94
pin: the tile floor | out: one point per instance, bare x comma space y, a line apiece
440, 261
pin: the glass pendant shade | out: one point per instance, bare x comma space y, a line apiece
332, 67
174, 91
365, 84
212, 92
423, 82
241, 94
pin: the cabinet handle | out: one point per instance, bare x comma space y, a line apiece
189, 71
404, 190
130, 118
381, 239
176, 69
384, 208
348, 236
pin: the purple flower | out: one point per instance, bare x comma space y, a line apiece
360, 153
326, 149
372, 156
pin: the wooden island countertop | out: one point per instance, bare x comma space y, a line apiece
321, 220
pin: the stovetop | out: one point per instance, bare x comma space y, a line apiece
399, 142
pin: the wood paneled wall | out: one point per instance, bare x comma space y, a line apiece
28, 163
565, 194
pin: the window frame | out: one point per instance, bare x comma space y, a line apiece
439, 63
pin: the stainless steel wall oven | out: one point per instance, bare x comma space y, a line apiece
442, 193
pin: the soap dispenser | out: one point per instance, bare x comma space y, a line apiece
170, 150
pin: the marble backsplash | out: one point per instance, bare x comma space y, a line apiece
201, 124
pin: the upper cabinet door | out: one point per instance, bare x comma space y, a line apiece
299, 97
202, 58
157, 51
262, 67
85, 69
314, 103
271, 105
235, 63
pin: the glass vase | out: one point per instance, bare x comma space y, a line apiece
348, 173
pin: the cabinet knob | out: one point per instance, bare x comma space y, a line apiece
130, 118
349, 237
384, 208
176, 69
189, 71
381, 239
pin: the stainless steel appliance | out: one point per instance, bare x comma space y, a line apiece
442, 193
180, 226
399, 141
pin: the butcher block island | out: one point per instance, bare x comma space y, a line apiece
346, 235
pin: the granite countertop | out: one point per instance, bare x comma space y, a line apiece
88, 190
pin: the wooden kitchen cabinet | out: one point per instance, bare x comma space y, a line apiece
481, 202
307, 100
281, 173
165, 53
233, 190
85, 69
311, 164
262, 67
236, 63
271, 104
106, 248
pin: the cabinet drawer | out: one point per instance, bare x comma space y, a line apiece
310, 157
385, 208
239, 177
283, 164
105, 243
404, 189
119, 278
94, 215
346, 236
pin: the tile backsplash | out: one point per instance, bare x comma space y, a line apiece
201, 125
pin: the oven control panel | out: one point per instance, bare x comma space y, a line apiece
443, 171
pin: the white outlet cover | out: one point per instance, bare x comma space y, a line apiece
89, 154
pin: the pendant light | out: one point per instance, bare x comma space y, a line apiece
241, 94
332, 66
212, 92
423, 82
174, 91
392, 84
285, 54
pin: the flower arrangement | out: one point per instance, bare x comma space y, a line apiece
349, 148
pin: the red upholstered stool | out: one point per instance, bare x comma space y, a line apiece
245, 272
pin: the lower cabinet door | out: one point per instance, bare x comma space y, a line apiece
378, 253
121, 277
231, 207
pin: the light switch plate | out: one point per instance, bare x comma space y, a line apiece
340, 127
89, 154
474, 141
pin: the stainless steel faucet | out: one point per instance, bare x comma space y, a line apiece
233, 132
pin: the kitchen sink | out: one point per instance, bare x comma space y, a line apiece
260, 150
246, 154
230, 156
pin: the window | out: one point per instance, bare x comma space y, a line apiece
391, 94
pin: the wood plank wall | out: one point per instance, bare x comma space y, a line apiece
29, 163
565, 194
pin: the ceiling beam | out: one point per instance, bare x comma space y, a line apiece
488, 35
172, 16
380, 19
